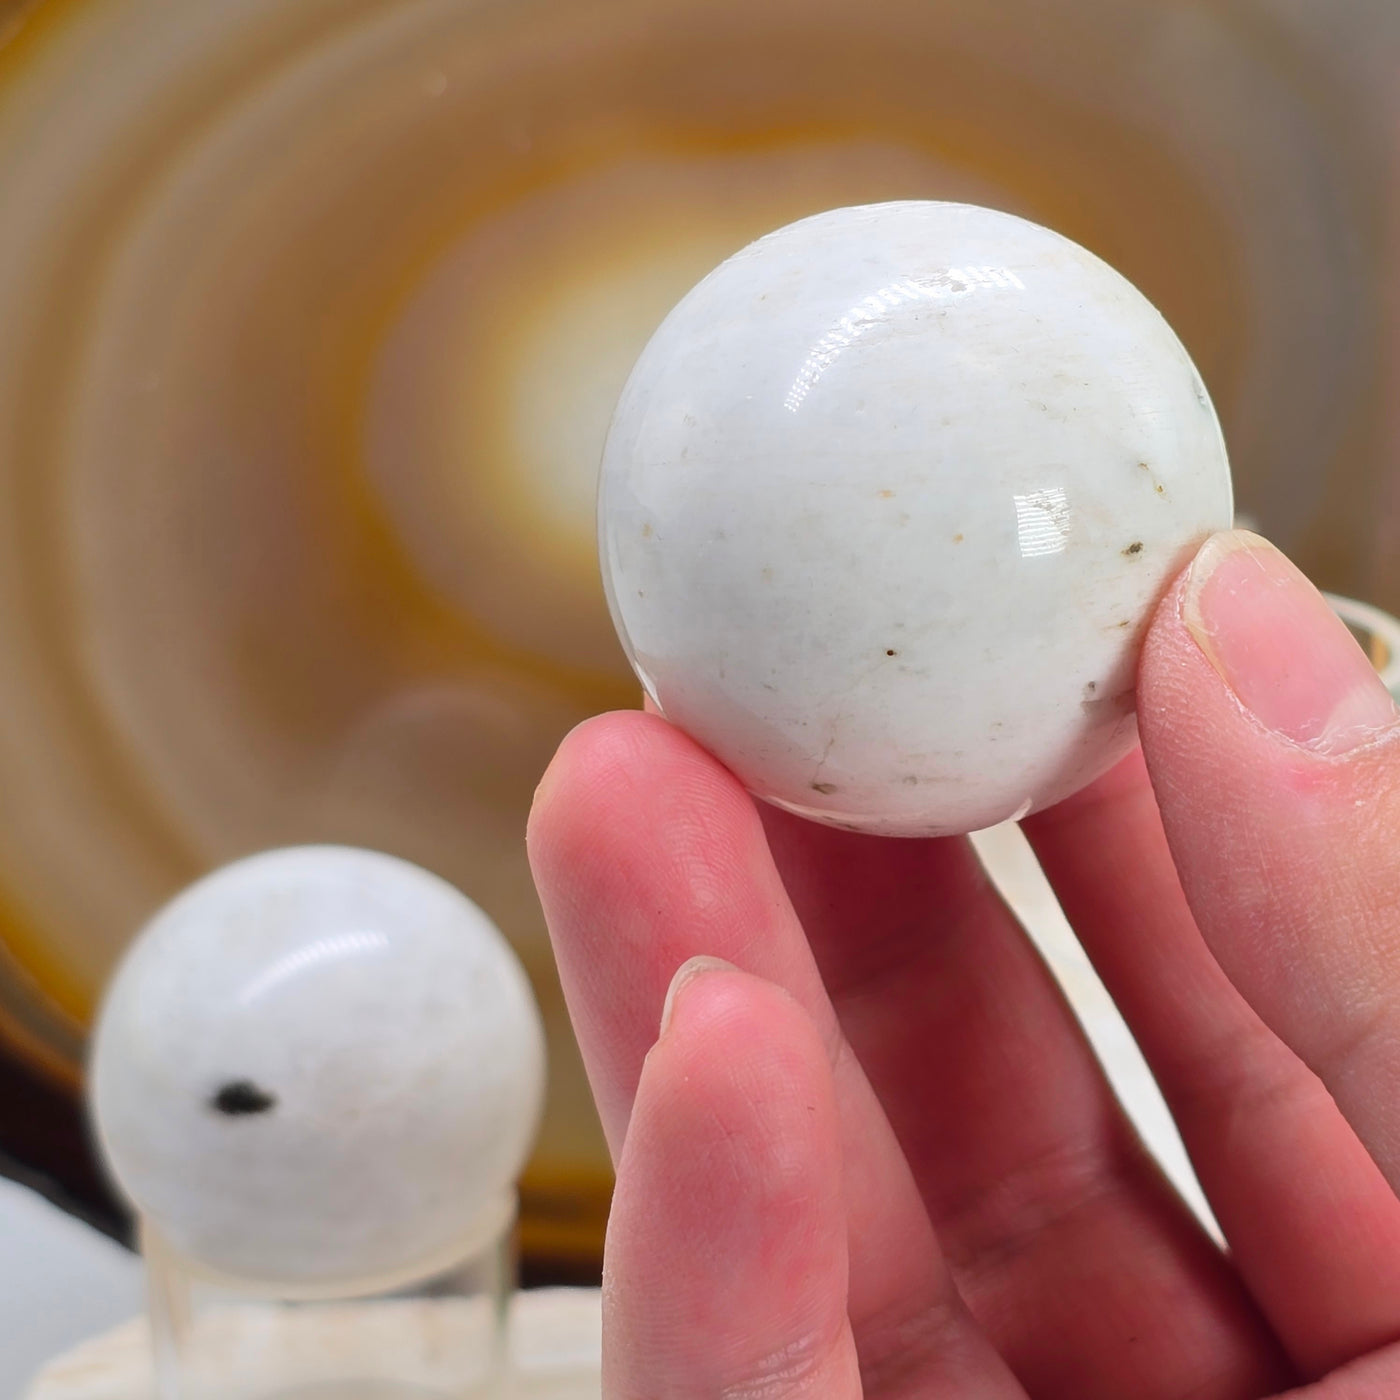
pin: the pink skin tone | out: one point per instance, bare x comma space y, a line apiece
863, 1148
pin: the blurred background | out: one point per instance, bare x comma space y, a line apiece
311, 320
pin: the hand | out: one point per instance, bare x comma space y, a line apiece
870, 1152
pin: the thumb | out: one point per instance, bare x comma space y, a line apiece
1275, 754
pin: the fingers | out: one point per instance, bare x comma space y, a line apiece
1085, 1268
647, 853
1313, 1227
726, 1261
1275, 754
1094, 1279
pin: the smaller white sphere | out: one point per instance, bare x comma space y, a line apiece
318, 1067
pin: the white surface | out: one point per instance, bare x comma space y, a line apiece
319, 1066
555, 1342
1380, 627
886, 502
60, 1282
1012, 865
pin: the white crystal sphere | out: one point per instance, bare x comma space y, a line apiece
885, 507
318, 1067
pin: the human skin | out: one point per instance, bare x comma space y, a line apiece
863, 1147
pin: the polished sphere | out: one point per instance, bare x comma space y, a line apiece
886, 505
318, 1067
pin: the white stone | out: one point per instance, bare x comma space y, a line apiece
885, 507
318, 1067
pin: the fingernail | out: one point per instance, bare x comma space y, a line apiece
685, 973
1289, 659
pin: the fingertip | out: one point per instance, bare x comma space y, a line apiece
626, 784
687, 972
727, 1244
599, 746
599, 766
1244, 635
725, 1025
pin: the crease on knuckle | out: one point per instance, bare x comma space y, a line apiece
795, 1369
1005, 1219
901, 1346
1354, 1047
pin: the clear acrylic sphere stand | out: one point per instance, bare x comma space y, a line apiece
440, 1336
